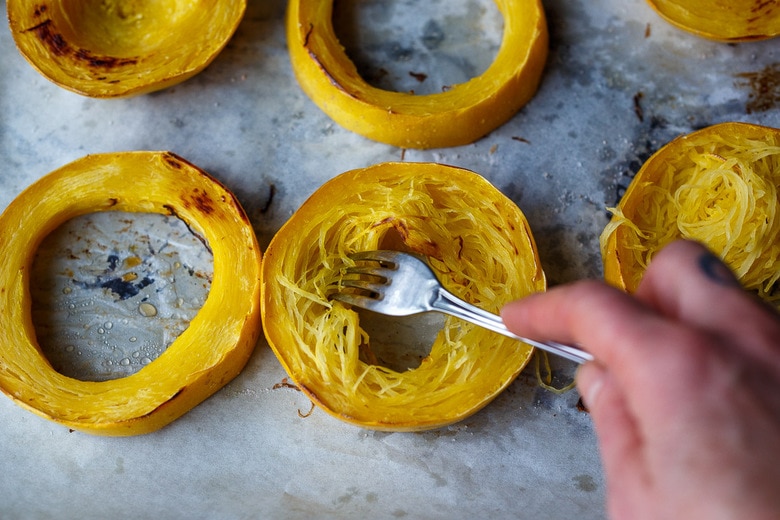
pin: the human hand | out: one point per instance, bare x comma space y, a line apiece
685, 390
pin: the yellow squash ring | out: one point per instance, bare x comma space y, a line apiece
121, 48
208, 354
456, 117
476, 239
722, 20
717, 185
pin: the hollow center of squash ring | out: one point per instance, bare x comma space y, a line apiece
416, 46
112, 290
122, 28
399, 343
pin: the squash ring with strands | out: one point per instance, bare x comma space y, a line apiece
478, 242
719, 186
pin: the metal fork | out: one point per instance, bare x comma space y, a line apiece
401, 284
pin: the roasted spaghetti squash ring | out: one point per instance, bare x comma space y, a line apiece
719, 186
723, 20
477, 241
116, 48
208, 354
455, 117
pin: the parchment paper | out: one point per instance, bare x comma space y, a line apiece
619, 83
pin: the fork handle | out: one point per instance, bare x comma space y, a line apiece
450, 304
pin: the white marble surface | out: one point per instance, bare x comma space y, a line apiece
619, 84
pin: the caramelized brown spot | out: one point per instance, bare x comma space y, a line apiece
58, 45
172, 161
53, 40
102, 62
308, 33
202, 201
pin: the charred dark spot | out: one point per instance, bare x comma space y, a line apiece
102, 62
308, 33
419, 76
113, 201
52, 39
172, 161
521, 139
202, 201
39, 10
172, 212
49, 36
760, 5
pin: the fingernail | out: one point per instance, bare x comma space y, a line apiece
716, 271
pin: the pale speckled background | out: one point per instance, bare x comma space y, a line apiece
246, 452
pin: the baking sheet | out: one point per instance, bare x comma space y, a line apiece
619, 83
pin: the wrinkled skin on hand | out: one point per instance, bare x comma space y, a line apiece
685, 392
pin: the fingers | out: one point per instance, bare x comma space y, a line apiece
601, 319
689, 284
620, 442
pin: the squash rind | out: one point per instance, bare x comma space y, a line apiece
476, 239
622, 268
722, 20
459, 116
114, 49
210, 352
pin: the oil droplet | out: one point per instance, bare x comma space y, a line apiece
145, 361
67, 290
147, 310
133, 339
70, 348
108, 325
101, 330
124, 362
